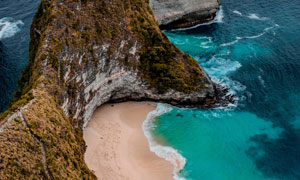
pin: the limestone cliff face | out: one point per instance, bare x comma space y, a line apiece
84, 53
183, 13
99, 51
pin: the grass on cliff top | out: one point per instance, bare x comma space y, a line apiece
21, 154
161, 64
64, 144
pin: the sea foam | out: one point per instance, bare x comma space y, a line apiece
251, 16
166, 152
219, 69
220, 16
237, 39
237, 12
8, 27
256, 17
218, 19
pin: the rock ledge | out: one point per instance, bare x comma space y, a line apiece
172, 14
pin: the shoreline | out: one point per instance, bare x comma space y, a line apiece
117, 147
218, 18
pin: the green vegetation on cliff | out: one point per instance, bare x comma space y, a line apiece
110, 22
162, 64
43, 126
43, 141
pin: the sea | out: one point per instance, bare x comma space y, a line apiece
252, 48
15, 21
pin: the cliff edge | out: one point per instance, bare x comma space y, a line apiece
84, 53
171, 14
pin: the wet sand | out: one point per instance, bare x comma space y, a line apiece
117, 148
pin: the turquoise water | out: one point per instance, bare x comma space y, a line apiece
215, 143
253, 49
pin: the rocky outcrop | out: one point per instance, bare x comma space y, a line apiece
172, 14
84, 53
95, 52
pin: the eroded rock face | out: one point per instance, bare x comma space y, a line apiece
84, 54
183, 13
100, 51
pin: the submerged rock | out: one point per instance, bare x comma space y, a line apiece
172, 14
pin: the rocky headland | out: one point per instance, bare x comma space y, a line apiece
172, 14
84, 53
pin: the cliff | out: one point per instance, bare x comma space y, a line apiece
172, 14
84, 53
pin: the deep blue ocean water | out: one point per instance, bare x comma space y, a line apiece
253, 47
15, 21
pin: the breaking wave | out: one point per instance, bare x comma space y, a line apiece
219, 70
218, 19
256, 17
8, 27
251, 37
237, 12
220, 16
251, 16
166, 152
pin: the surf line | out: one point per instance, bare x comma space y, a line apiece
168, 153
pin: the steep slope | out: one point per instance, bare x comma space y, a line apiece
183, 13
84, 53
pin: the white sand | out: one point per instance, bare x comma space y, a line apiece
117, 148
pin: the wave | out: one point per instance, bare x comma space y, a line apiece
166, 152
262, 81
250, 37
8, 27
237, 12
236, 89
230, 43
203, 37
256, 17
253, 37
251, 16
220, 67
218, 19
220, 16
219, 70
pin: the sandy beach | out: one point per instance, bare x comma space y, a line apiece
117, 148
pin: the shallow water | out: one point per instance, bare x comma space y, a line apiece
254, 50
